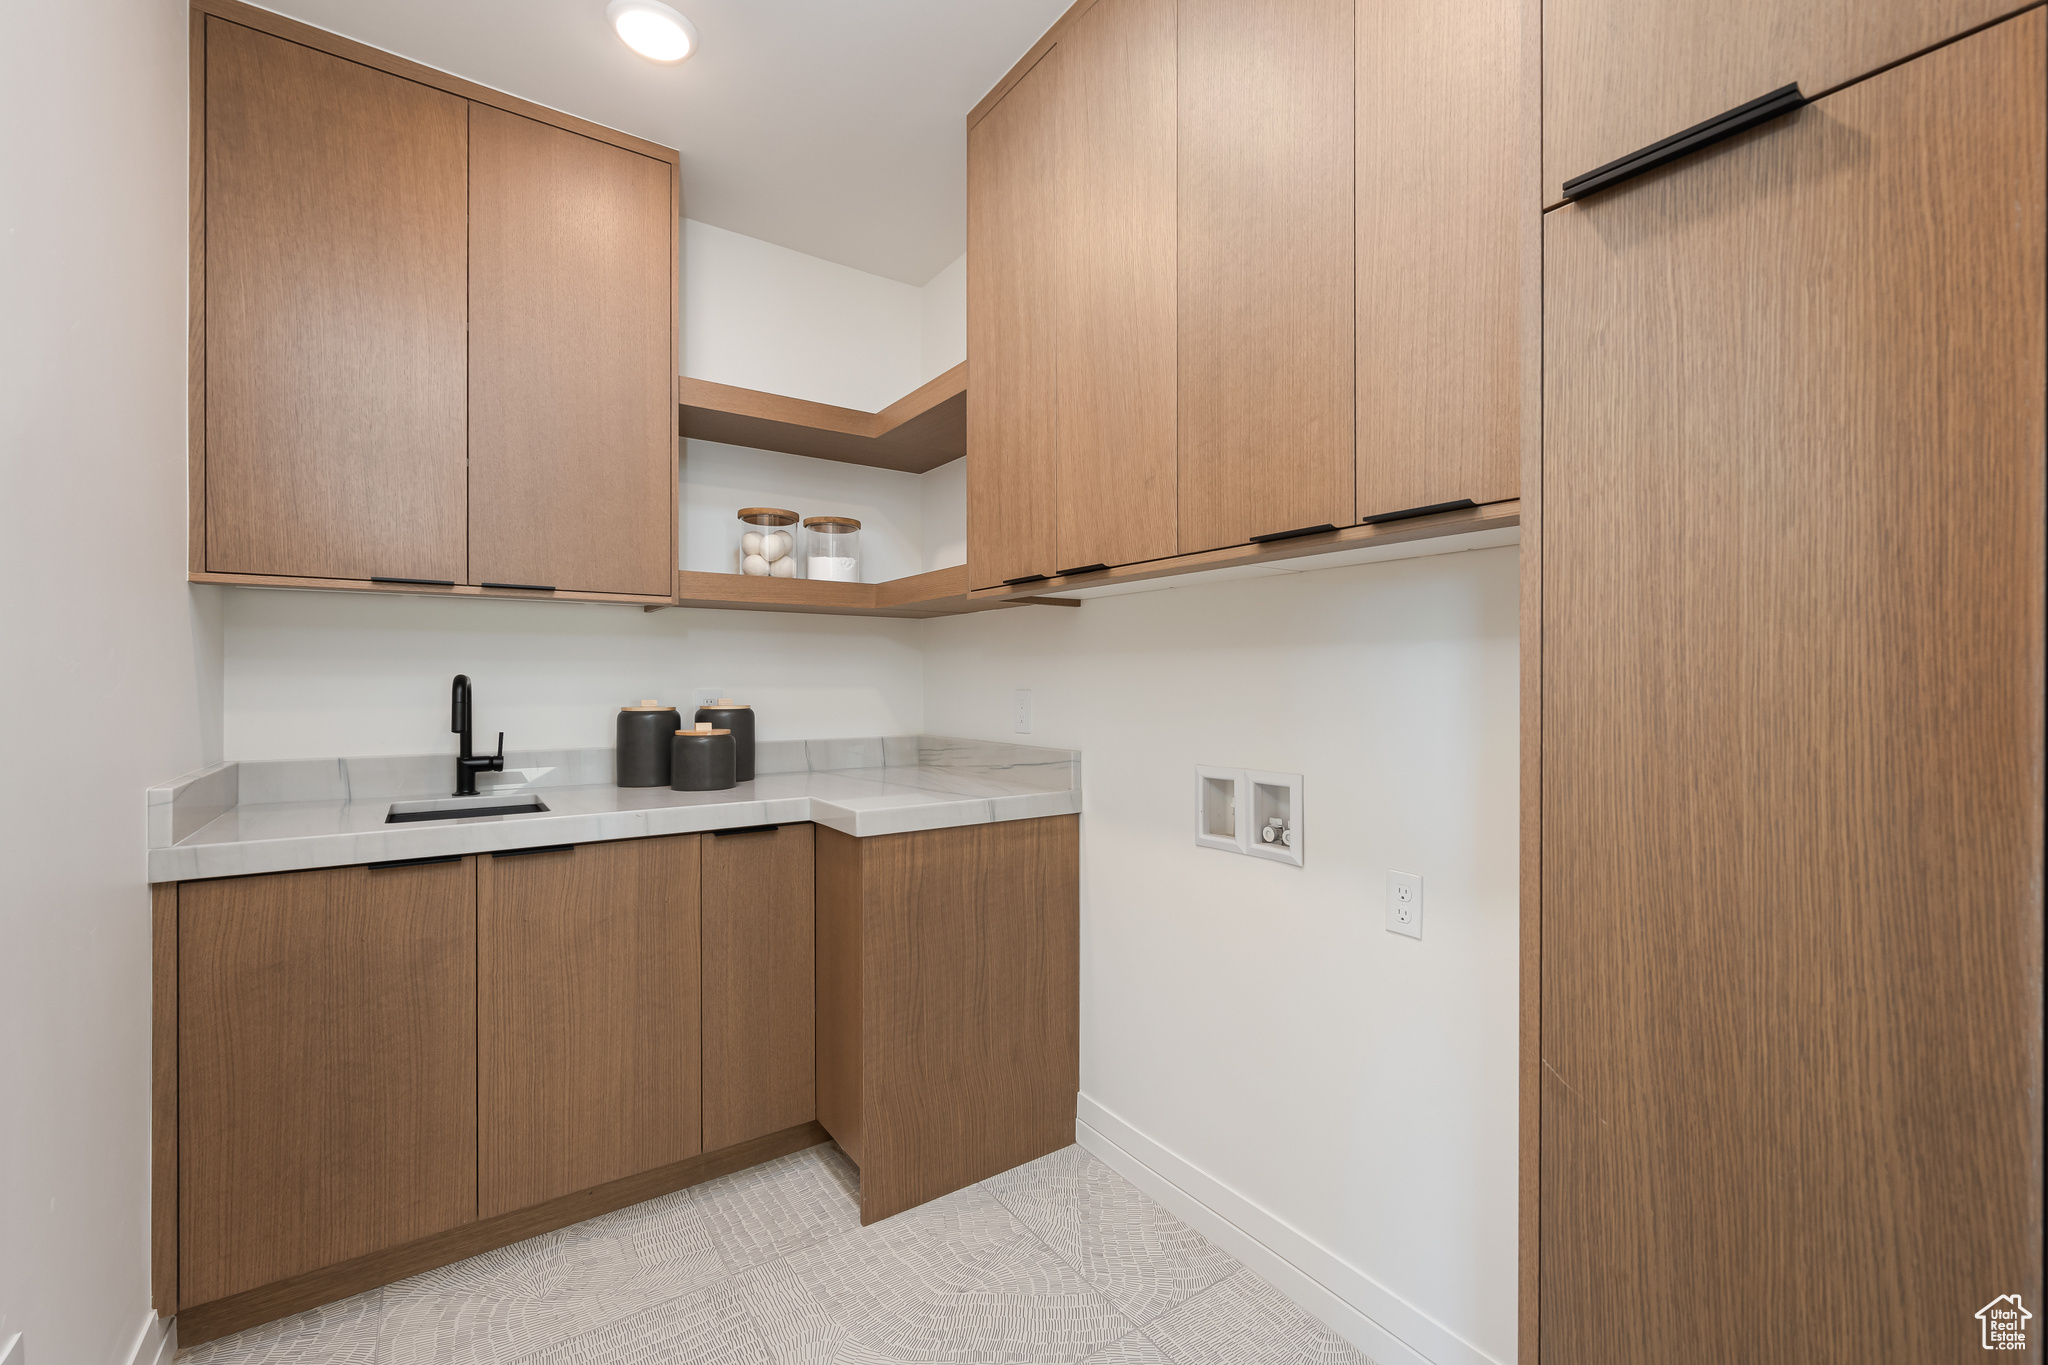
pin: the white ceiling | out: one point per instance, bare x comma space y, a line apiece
833, 127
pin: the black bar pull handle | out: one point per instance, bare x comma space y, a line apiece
1027, 578
747, 829
1740, 119
522, 852
1083, 568
422, 582
521, 587
1271, 536
1406, 512
414, 862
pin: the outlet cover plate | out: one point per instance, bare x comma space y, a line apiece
1404, 903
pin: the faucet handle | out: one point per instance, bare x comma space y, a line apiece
498, 759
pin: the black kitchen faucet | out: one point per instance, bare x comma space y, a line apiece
467, 765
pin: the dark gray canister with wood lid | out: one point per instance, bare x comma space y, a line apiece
738, 717
701, 760
644, 734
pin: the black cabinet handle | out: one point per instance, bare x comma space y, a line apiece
544, 848
415, 862
1740, 119
521, 587
1027, 578
1407, 512
747, 829
423, 582
1083, 568
1290, 535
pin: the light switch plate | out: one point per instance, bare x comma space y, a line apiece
1404, 903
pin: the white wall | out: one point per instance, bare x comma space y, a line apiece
765, 317
943, 302
317, 674
109, 661
1256, 1020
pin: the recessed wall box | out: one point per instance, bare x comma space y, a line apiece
1219, 805
1275, 810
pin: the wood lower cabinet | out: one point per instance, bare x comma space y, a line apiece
572, 410
1012, 235
1619, 75
759, 950
326, 1053
334, 302
1266, 127
1791, 730
587, 1016
948, 1003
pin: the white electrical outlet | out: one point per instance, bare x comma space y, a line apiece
1023, 711
710, 696
1404, 903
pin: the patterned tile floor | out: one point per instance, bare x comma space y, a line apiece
1060, 1260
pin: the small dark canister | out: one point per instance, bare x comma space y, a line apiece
701, 761
738, 717
644, 734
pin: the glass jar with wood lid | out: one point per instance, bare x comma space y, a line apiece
832, 549
767, 545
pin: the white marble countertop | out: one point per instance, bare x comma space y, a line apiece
937, 784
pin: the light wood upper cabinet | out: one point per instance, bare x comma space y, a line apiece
326, 1069
572, 416
1265, 269
1442, 206
1791, 727
587, 1017
759, 950
334, 298
1619, 75
1012, 236
1115, 189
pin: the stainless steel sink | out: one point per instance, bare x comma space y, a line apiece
463, 808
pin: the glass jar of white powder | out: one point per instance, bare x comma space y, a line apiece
832, 549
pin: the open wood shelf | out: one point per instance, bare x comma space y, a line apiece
942, 592
920, 431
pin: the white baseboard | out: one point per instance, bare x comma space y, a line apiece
1348, 1301
156, 1343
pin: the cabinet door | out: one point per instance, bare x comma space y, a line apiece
572, 438
335, 304
326, 1069
759, 947
1792, 731
1619, 75
1115, 192
587, 1029
1266, 357
1441, 203
1011, 288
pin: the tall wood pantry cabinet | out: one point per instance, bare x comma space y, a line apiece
1239, 271
1785, 1063
434, 329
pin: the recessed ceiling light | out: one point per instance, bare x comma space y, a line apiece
653, 30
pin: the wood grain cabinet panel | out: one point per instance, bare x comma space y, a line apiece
759, 937
1265, 269
1012, 237
1792, 671
949, 1002
1116, 194
326, 1069
572, 443
1619, 75
335, 299
1441, 203
587, 1016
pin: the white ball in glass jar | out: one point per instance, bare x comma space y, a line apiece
784, 567
774, 546
754, 565
750, 543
